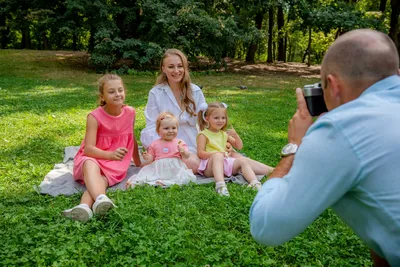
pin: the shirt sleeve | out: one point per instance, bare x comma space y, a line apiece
151, 112
198, 97
324, 169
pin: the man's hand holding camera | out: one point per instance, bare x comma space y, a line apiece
301, 120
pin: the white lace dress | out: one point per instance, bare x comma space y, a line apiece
168, 168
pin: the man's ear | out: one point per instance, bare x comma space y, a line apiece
334, 86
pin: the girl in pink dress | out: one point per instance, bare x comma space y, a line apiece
165, 157
106, 152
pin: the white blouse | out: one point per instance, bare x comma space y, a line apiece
161, 98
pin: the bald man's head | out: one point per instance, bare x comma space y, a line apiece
361, 58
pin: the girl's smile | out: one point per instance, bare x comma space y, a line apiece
217, 119
114, 92
168, 129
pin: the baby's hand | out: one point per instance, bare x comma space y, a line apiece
146, 156
119, 153
184, 153
180, 147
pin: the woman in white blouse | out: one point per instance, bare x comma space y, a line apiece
175, 93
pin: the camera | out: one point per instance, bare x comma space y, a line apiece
314, 97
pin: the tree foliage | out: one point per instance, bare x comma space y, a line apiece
136, 32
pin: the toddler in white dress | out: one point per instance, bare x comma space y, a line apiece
164, 165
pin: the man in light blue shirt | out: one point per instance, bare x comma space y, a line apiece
349, 159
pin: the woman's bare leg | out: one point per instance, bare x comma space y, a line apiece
193, 162
243, 164
258, 167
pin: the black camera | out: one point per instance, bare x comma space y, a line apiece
314, 96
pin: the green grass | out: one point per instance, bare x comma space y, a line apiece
45, 97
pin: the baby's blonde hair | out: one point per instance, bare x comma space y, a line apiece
165, 116
102, 81
211, 107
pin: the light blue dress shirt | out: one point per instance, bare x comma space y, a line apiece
349, 160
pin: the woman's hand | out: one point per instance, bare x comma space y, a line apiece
119, 153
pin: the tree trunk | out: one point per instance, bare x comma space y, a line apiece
91, 39
26, 37
270, 35
45, 41
4, 39
254, 43
394, 21
382, 6
251, 52
273, 51
281, 39
309, 47
74, 41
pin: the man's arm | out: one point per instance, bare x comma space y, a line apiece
323, 170
302, 186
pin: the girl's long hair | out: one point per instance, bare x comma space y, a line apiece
211, 107
102, 81
186, 89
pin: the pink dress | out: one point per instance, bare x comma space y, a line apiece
112, 132
167, 168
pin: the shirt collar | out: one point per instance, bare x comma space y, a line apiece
387, 83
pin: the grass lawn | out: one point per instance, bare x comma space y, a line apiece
45, 97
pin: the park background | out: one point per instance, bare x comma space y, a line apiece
52, 54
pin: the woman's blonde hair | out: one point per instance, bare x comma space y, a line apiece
206, 113
186, 89
165, 116
102, 81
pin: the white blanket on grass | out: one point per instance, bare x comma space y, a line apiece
60, 181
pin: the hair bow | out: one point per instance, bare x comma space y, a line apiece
203, 106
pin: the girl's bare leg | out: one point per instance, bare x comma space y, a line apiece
215, 167
95, 183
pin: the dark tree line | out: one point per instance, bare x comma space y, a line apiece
139, 30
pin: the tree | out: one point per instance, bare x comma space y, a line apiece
254, 42
270, 33
382, 6
394, 22
281, 35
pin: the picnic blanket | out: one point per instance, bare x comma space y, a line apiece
60, 181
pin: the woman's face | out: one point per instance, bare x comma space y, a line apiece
173, 68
